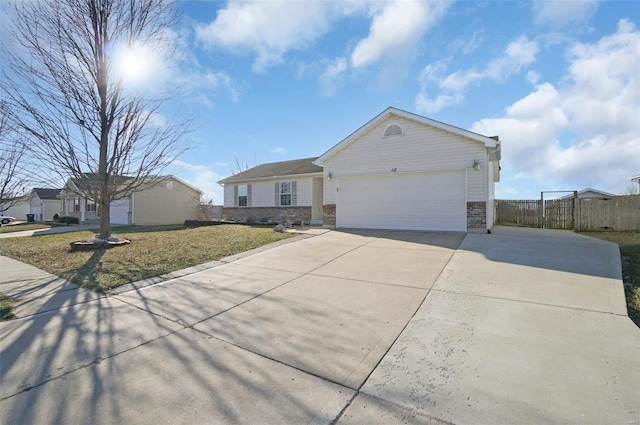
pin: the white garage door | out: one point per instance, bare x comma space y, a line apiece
119, 211
425, 201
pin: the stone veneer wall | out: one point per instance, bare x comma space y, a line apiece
329, 215
476, 215
267, 214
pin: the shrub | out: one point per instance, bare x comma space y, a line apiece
56, 218
69, 220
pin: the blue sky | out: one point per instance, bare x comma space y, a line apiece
268, 81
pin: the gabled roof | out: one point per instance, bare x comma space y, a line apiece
489, 142
91, 178
635, 178
46, 193
583, 191
276, 169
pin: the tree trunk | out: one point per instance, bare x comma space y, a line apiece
105, 220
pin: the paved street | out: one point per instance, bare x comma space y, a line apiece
366, 327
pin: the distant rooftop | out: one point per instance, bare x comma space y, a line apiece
46, 193
276, 169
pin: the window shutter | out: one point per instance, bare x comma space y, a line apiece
248, 195
235, 195
277, 196
294, 194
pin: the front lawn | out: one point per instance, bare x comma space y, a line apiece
6, 308
629, 243
153, 251
10, 228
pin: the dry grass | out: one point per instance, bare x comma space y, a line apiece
153, 251
6, 308
629, 243
10, 228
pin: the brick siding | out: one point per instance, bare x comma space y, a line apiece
329, 215
267, 214
476, 215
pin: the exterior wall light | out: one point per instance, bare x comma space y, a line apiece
329, 175
476, 165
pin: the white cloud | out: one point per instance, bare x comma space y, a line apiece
268, 28
559, 14
279, 150
332, 75
585, 133
449, 88
201, 177
533, 77
429, 106
224, 80
396, 30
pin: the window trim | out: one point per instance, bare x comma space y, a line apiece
243, 199
289, 193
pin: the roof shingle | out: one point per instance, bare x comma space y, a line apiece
276, 169
46, 193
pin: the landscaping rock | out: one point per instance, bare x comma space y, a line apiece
97, 243
279, 228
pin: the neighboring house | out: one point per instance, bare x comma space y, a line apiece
398, 171
169, 201
19, 208
636, 179
287, 190
590, 193
44, 203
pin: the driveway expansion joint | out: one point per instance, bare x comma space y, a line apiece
471, 294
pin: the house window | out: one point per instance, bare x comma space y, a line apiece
91, 206
76, 204
393, 130
243, 196
285, 193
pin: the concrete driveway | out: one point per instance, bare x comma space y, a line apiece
344, 327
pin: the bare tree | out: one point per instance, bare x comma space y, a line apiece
86, 122
14, 175
238, 165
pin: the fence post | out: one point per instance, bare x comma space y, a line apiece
541, 210
576, 211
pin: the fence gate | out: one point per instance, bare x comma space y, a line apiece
558, 213
548, 213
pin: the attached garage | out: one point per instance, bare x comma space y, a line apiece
404, 171
119, 211
415, 201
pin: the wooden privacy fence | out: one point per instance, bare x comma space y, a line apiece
518, 212
615, 213
559, 213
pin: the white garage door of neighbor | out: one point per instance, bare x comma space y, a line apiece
119, 211
425, 201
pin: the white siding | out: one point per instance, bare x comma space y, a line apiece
37, 208
19, 210
263, 192
421, 148
491, 196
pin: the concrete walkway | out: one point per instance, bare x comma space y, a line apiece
49, 231
522, 326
